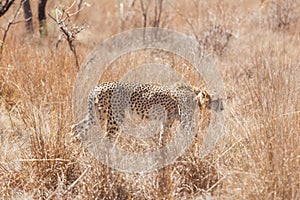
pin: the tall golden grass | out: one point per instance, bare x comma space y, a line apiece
257, 158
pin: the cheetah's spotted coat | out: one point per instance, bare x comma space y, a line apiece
109, 101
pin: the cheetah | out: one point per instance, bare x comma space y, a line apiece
108, 102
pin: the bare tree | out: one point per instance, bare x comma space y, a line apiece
79, 4
145, 7
28, 17
125, 10
145, 12
69, 30
4, 8
157, 12
42, 17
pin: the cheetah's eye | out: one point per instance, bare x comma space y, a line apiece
204, 96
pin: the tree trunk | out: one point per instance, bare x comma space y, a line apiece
42, 18
28, 17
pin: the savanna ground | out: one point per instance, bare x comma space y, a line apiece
256, 45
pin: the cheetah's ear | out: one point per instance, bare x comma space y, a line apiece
202, 98
196, 90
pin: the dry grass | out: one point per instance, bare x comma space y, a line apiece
258, 158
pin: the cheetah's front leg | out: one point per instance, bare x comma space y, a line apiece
80, 129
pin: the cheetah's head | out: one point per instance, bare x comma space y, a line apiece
205, 101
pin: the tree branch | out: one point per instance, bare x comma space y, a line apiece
5, 7
10, 23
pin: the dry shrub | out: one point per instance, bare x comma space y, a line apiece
209, 22
282, 15
40, 92
275, 141
264, 124
216, 39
